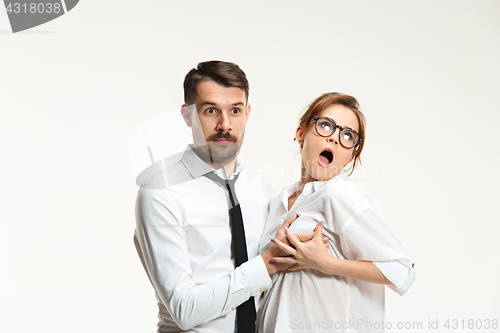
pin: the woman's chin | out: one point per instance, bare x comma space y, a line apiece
323, 174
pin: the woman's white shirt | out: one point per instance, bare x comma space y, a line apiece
308, 300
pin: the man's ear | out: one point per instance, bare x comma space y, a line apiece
249, 109
186, 114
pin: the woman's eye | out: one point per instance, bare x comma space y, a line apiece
326, 126
347, 136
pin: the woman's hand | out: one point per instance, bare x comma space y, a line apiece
308, 254
313, 254
275, 251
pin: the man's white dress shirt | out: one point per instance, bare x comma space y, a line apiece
310, 301
183, 237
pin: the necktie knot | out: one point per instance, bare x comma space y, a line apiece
227, 184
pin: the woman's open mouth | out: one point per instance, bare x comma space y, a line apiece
325, 157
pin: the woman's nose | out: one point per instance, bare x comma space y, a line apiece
331, 138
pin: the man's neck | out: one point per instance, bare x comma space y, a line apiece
229, 168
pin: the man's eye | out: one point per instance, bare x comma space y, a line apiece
211, 111
236, 111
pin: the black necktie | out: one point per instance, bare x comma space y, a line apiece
245, 312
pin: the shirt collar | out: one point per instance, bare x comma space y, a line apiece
237, 169
308, 189
197, 167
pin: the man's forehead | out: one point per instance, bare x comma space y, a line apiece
211, 93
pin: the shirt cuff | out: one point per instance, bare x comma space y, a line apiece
400, 274
258, 277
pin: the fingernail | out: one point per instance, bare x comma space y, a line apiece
273, 260
321, 223
272, 240
285, 228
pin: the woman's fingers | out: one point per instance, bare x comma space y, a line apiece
284, 260
318, 231
285, 248
291, 238
289, 221
305, 236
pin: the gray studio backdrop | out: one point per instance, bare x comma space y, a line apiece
73, 90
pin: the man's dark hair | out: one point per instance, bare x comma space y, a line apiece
224, 73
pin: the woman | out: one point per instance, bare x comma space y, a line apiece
339, 288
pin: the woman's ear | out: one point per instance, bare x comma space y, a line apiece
186, 114
299, 136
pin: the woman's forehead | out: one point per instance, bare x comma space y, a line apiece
342, 115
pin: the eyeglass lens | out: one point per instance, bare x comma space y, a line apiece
326, 127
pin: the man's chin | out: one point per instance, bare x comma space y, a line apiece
218, 155
221, 158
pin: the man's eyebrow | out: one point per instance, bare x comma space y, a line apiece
215, 104
208, 103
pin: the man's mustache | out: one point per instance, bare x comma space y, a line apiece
222, 135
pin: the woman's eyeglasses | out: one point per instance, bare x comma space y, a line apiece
325, 126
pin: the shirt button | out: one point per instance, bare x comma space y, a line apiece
232, 308
262, 289
412, 265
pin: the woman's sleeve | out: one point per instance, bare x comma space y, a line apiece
364, 235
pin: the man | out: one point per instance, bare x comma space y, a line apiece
187, 215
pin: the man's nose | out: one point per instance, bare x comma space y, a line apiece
224, 124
